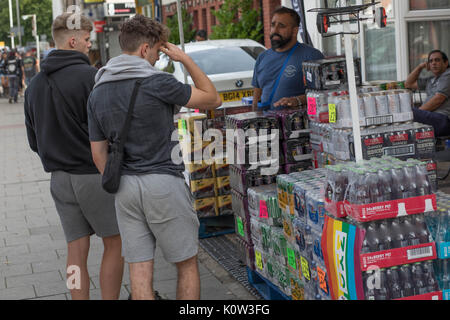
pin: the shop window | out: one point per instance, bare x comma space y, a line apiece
429, 4
380, 53
425, 36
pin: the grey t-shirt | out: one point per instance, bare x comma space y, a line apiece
433, 85
149, 144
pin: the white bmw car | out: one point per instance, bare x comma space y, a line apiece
228, 63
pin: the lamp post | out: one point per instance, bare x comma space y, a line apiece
35, 35
11, 24
18, 22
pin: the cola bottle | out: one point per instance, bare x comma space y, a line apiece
364, 187
424, 186
399, 240
386, 232
398, 182
394, 283
382, 293
365, 247
406, 281
419, 287
384, 177
409, 172
331, 181
376, 194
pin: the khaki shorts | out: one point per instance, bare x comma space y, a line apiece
83, 206
156, 209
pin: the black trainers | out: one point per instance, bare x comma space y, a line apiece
156, 293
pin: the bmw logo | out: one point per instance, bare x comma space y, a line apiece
239, 83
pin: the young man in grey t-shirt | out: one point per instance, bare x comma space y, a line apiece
153, 203
436, 109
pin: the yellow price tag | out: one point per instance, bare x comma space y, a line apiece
332, 113
305, 268
258, 259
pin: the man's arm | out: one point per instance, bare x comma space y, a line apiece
257, 93
411, 81
100, 154
434, 103
291, 102
32, 141
204, 95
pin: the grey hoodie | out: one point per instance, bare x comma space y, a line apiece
125, 67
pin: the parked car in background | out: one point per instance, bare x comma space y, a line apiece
228, 63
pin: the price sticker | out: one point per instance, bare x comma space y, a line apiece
263, 212
291, 258
240, 226
332, 113
322, 281
312, 106
305, 268
258, 259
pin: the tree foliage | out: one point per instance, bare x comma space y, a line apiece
43, 11
247, 26
172, 24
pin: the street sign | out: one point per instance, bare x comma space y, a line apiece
15, 30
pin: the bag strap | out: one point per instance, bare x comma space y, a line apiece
126, 126
277, 82
56, 89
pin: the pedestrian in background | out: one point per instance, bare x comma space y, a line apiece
56, 122
14, 70
30, 67
153, 204
4, 74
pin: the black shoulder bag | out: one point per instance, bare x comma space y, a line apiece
113, 169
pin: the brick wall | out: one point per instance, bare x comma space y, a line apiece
200, 9
269, 7
197, 6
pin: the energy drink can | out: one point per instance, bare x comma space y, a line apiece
405, 97
382, 105
393, 102
370, 109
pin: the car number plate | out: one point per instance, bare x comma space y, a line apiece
232, 96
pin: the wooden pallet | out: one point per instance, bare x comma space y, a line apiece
264, 287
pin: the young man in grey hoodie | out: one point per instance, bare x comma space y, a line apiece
153, 203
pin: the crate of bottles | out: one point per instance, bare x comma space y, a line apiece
380, 188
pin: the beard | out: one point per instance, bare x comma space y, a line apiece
278, 43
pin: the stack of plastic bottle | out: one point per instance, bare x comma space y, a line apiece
439, 225
246, 164
385, 202
267, 236
302, 211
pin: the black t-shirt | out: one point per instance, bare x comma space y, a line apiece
13, 66
150, 142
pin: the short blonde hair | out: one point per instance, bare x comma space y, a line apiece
68, 24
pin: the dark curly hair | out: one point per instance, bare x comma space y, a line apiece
139, 30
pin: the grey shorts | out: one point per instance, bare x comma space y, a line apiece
83, 206
156, 209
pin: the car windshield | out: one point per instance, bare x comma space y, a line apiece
226, 60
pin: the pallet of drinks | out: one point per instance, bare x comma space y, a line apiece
439, 225
376, 242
